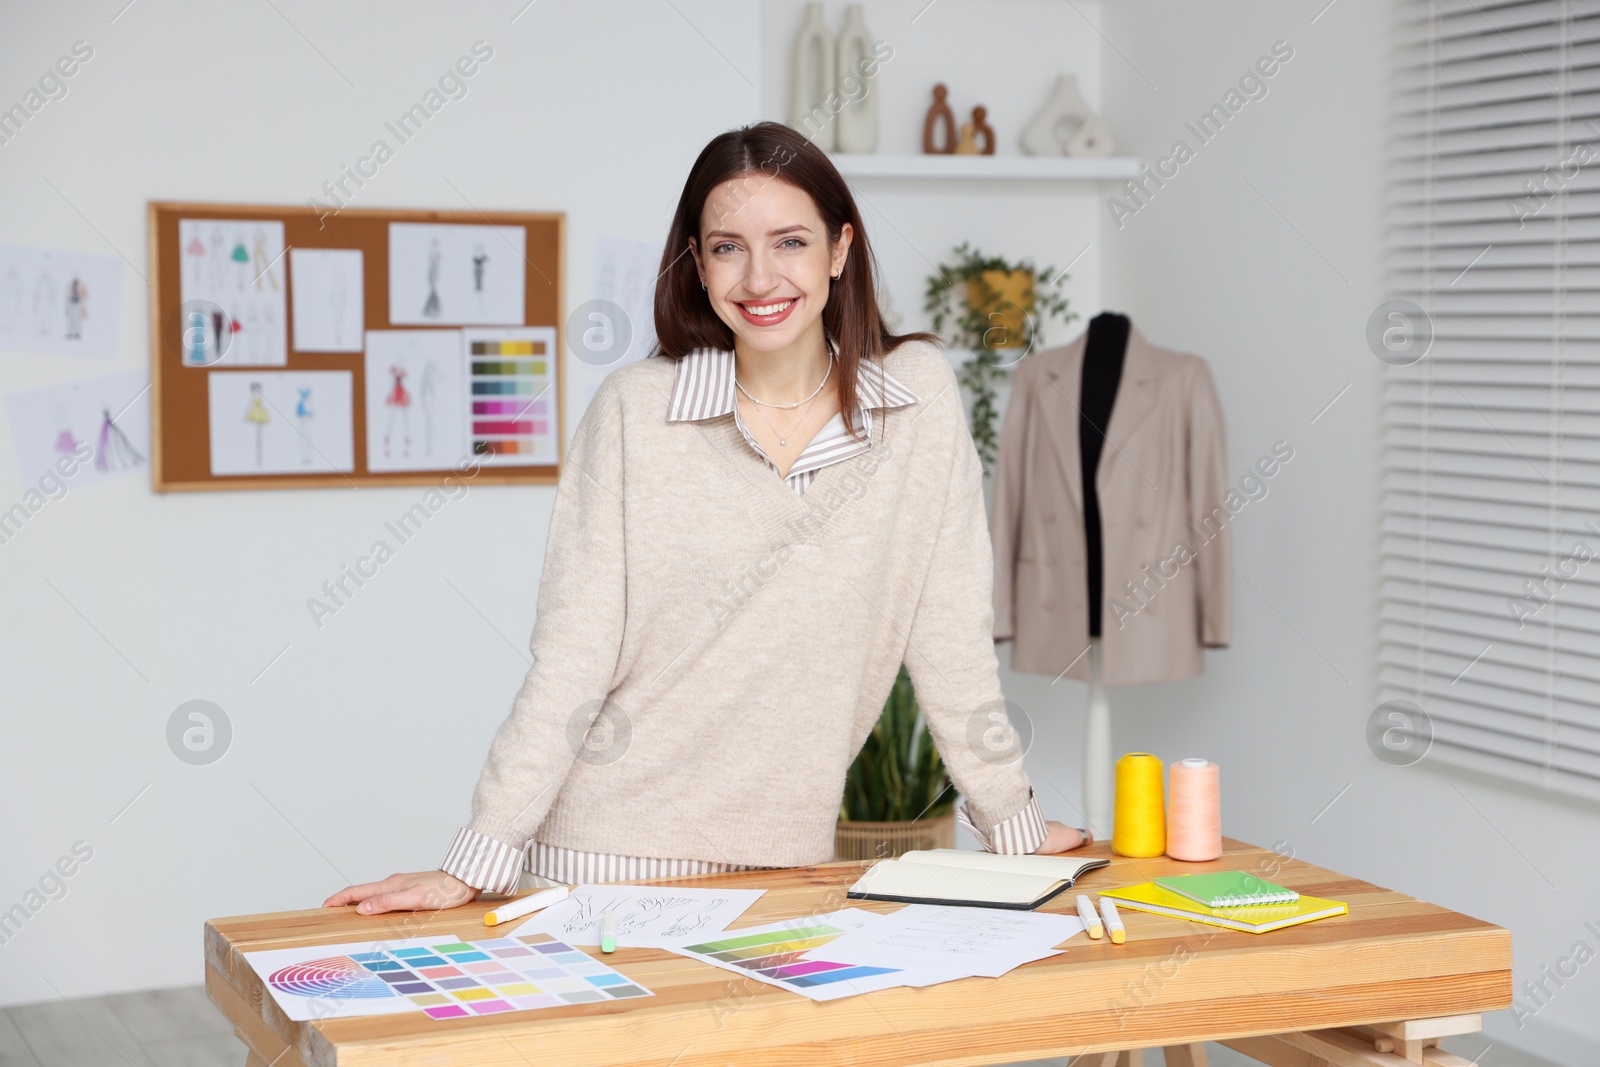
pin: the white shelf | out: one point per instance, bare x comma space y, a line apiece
1062, 168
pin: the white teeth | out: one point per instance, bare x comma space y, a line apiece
767, 309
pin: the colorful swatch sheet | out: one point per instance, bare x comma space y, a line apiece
792, 955
512, 389
440, 976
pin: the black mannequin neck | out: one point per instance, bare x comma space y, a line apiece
1105, 347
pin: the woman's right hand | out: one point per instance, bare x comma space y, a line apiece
422, 891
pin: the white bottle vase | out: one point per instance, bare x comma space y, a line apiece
858, 117
813, 80
1066, 126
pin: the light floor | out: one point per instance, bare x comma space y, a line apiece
181, 1028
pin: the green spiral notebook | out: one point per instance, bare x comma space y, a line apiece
1227, 889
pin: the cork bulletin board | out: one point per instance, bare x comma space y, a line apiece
295, 348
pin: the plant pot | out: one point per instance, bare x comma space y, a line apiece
1007, 307
854, 840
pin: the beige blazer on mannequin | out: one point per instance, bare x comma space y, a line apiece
1166, 533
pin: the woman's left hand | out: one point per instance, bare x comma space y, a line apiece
1063, 838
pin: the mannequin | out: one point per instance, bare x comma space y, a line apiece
1079, 597
1105, 346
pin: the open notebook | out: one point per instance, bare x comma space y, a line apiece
980, 879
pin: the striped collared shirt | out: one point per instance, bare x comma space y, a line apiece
703, 388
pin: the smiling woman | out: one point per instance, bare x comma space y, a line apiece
779, 269
816, 471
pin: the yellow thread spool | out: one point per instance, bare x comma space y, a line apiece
1140, 827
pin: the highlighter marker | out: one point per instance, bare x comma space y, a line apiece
516, 909
1091, 921
1114, 926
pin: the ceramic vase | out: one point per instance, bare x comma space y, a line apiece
814, 79
858, 116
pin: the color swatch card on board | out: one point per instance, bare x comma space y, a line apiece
513, 389
441, 976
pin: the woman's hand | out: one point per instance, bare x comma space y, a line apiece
422, 891
1062, 838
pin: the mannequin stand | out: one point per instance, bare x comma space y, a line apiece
1097, 751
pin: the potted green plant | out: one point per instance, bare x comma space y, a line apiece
995, 308
896, 793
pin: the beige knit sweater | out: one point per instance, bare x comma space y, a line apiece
739, 639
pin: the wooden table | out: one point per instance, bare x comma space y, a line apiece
1374, 988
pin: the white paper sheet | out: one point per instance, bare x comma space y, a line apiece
60, 301
102, 424
281, 422
625, 275
238, 268
417, 405
974, 941
446, 275
328, 299
653, 916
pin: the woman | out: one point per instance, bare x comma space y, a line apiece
735, 571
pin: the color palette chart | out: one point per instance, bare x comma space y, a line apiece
442, 977
787, 955
512, 393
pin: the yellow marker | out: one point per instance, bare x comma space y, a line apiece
1108, 908
1091, 921
516, 909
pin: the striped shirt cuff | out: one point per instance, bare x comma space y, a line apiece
482, 862
1022, 833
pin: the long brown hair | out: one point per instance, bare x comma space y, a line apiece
758, 153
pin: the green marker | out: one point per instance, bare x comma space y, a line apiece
608, 932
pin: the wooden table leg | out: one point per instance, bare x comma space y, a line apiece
252, 1060
1096, 1059
1185, 1055
1128, 1057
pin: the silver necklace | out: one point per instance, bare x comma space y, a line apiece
783, 440
797, 402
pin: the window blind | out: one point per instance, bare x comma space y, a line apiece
1490, 539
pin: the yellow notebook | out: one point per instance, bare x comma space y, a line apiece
1251, 918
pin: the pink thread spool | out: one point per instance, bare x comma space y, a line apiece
1194, 811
